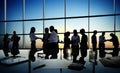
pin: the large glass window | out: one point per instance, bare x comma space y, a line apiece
98, 7
14, 26
33, 9
2, 28
1, 10
76, 8
102, 23
58, 24
14, 9
77, 24
54, 8
118, 23
117, 6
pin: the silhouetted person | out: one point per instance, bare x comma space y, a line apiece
114, 40
15, 45
75, 42
94, 44
6, 41
57, 45
66, 44
83, 47
102, 45
53, 42
45, 43
33, 49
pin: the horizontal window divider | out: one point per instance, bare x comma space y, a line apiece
61, 18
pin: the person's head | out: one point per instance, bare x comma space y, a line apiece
6, 35
75, 32
51, 28
82, 31
68, 33
111, 34
46, 30
32, 30
14, 32
95, 32
103, 33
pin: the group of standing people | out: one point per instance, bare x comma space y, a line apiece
15, 44
101, 45
76, 44
50, 43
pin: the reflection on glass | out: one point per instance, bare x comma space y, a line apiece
58, 24
76, 24
2, 28
76, 8
54, 8
98, 7
14, 9
14, 26
1, 9
37, 24
33, 9
102, 23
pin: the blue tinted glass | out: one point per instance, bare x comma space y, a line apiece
1, 10
2, 28
98, 7
118, 23
117, 6
76, 7
14, 9
37, 24
14, 26
33, 9
54, 8
77, 24
58, 24
102, 23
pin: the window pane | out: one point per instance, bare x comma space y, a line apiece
2, 28
102, 23
37, 24
54, 8
98, 7
14, 26
77, 24
118, 23
76, 8
28, 42
117, 6
58, 24
1, 10
33, 9
14, 9
118, 35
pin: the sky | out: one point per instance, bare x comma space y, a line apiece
55, 9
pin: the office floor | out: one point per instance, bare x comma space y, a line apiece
59, 65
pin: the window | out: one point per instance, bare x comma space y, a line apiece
14, 9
